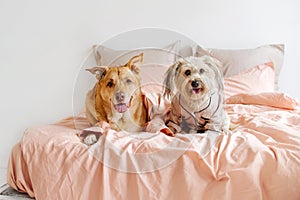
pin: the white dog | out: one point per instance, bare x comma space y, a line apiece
197, 105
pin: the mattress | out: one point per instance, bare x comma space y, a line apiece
259, 158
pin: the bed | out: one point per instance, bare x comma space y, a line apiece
259, 158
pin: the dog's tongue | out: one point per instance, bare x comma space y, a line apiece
195, 91
121, 107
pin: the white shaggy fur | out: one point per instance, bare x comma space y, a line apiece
197, 103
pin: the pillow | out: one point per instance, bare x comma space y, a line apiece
255, 80
236, 61
155, 62
274, 99
106, 56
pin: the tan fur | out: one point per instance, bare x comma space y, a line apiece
117, 98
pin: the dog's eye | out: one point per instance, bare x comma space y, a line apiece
187, 72
201, 71
128, 81
110, 83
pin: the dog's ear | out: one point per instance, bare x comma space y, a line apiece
97, 55
99, 71
212, 61
216, 66
135, 62
169, 84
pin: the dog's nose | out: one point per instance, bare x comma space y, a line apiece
195, 84
120, 96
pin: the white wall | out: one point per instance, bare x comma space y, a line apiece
43, 44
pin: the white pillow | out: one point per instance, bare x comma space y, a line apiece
236, 61
107, 56
155, 62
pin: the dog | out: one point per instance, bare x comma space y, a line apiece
117, 98
195, 86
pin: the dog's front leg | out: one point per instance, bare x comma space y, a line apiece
113, 122
174, 122
114, 126
103, 117
174, 119
202, 124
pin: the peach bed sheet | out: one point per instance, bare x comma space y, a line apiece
258, 159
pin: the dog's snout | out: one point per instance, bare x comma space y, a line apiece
120, 96
195, 83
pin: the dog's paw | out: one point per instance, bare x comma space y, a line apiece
91, 135
90, 139
167, 131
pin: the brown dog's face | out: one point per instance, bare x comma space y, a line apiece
119, 86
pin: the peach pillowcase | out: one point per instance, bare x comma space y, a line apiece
274, 99
253, 81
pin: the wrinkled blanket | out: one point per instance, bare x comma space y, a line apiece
258, 159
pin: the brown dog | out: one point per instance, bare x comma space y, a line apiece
117, 98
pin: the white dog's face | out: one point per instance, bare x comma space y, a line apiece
194, 78
193, 81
